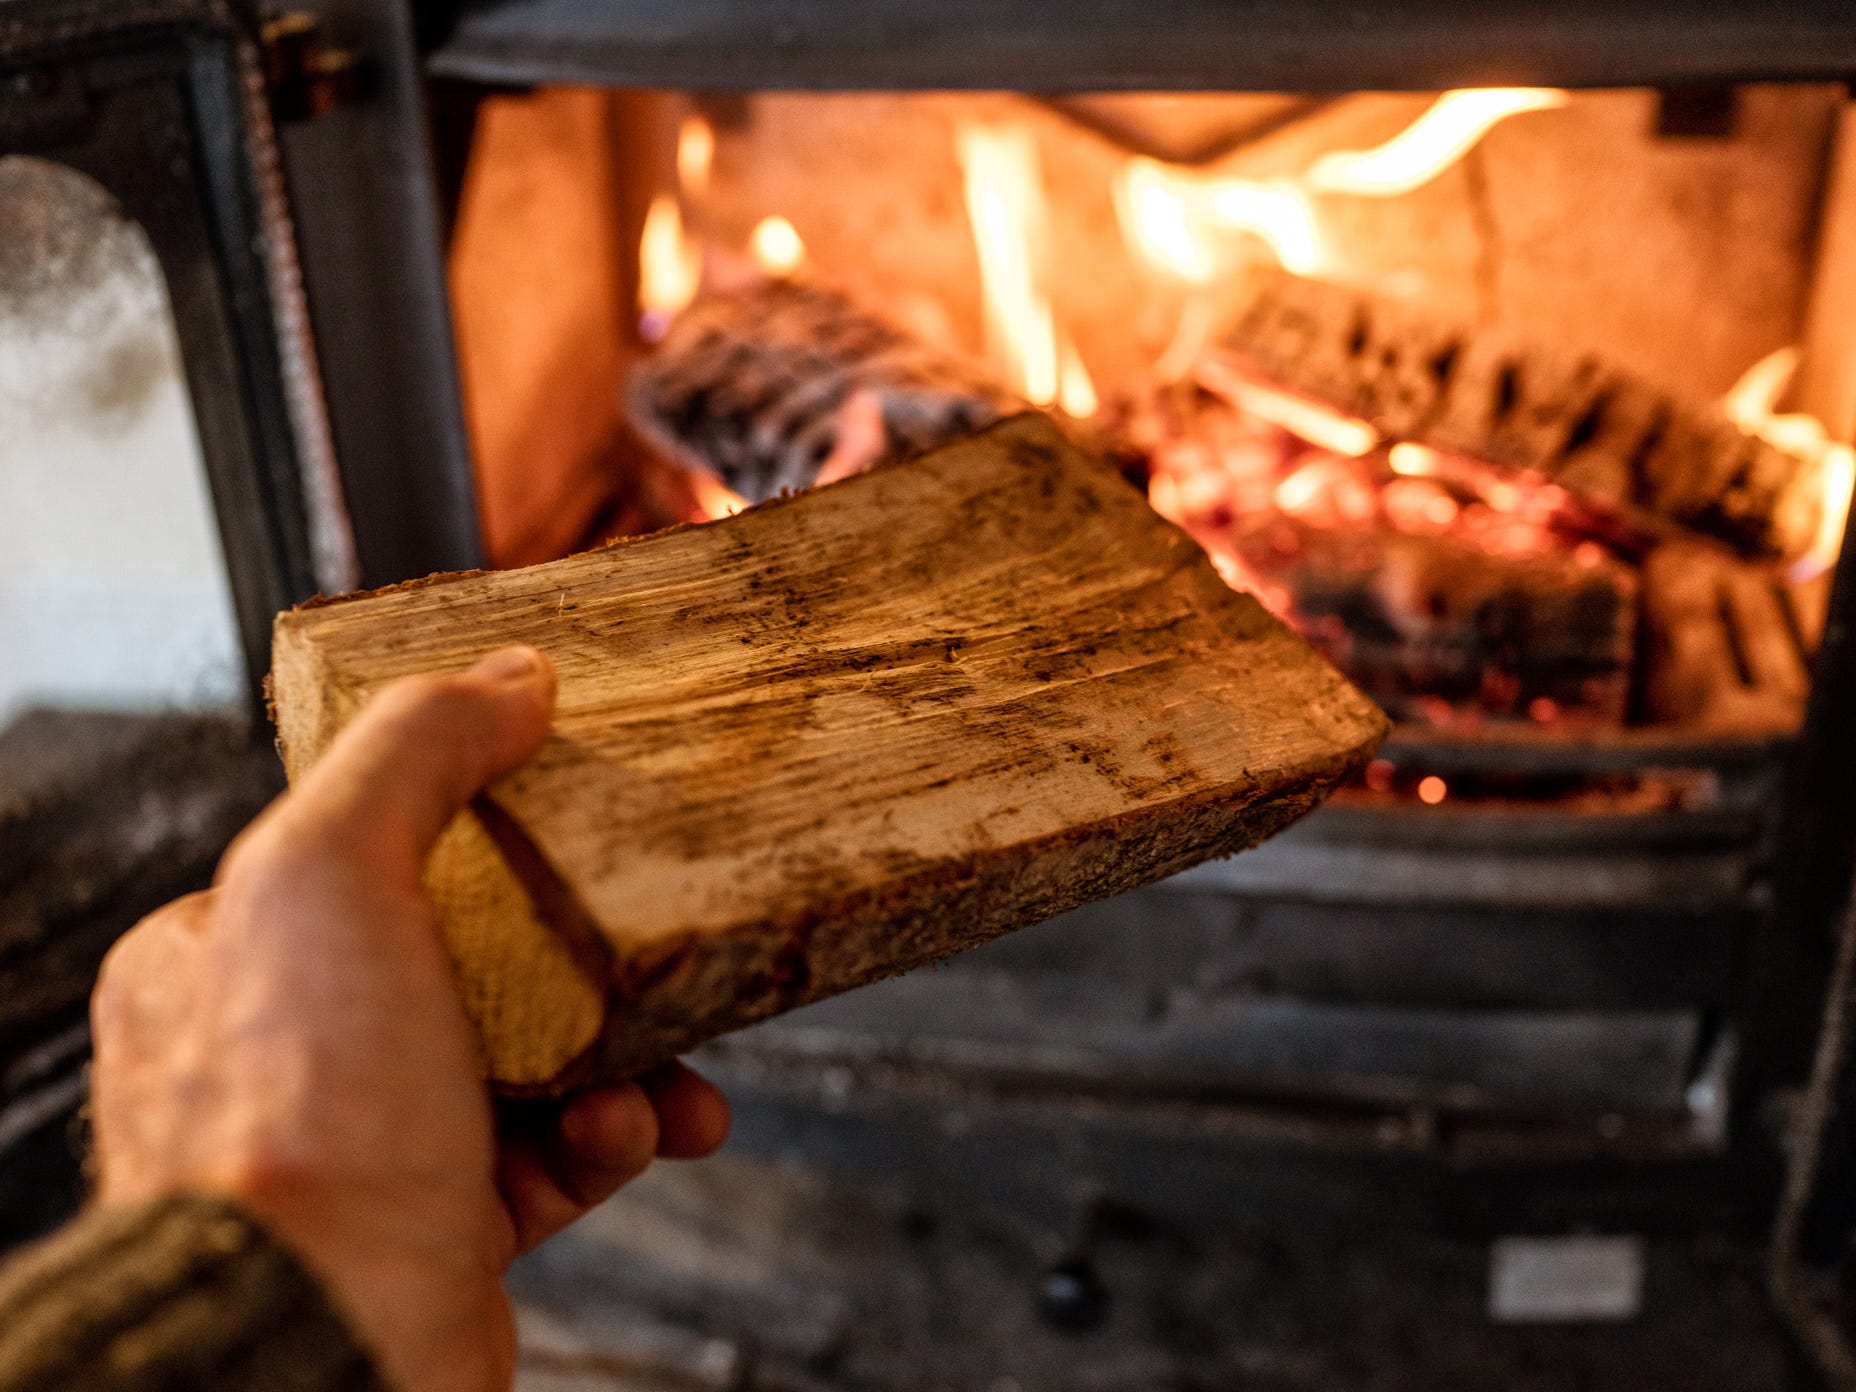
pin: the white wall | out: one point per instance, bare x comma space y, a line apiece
112, 590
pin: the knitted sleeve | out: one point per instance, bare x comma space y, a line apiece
182, 1293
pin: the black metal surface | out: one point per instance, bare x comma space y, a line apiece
1102, 45
1811, 855
744, 1274
103, 817
150, 101
366, 205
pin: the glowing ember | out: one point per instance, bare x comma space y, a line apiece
695, 155
1005, 205
1432, 790
669, 267
1413, 461
1429, 145
776, 246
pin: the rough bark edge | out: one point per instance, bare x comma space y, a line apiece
648, 1016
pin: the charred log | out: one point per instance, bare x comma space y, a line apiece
1727, 644
1598, 430
1415, 620
766, 385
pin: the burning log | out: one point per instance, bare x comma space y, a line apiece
833, 738
1727, 643
771, 385
1422, 620
1596, 429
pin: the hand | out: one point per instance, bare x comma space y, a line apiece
291, 1039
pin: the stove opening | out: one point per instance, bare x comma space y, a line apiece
1525, 406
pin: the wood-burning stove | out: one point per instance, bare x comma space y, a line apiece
1611, 962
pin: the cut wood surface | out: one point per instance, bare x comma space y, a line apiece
835, 737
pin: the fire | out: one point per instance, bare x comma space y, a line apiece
1752, 404
776, 245
1157, 217
1076, 392
669, 266
1414, 461
1168, 216
1005, 208
1447, 131
695, 155
1005, 204
1838, 483
1278, 213
712, 498
1311, 420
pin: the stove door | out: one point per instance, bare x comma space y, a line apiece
167, 106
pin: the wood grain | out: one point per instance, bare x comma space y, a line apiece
833, 738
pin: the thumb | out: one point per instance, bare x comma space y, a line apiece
420, 751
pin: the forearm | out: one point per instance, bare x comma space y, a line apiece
184, 1292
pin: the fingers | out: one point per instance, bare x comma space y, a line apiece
601, 1140
147, 990
417, 754
692, 1114
143, 984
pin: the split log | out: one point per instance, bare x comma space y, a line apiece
1413, 619
1603, 433
759, 386
835, 737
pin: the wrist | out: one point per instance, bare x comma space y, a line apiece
432, 1316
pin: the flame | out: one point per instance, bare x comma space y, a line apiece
776, 245
1157, 217
1005, 206
669, 266
1752, 400
1751, 403
695, 155
713, 498
1838, 483
1076, 391
1447, 131
1167, 216
1279, 213
1311, 420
